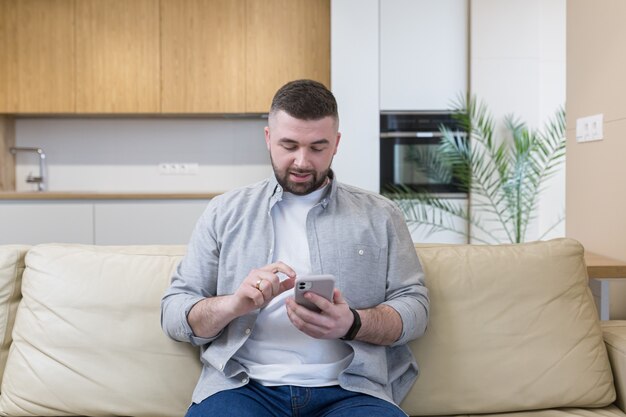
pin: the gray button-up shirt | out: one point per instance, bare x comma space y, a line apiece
359, 237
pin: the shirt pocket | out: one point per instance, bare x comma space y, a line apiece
363, 276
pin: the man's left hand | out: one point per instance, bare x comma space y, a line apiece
333, 322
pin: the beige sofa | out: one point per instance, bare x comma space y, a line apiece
513, 329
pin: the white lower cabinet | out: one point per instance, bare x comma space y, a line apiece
32, 223
609, 295
101, 222
146, 222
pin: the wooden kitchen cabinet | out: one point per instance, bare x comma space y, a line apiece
117, 56
221, 56
8, 57
285, 40
157, 56
41, 55
203, 56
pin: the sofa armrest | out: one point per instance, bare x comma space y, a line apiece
614, 333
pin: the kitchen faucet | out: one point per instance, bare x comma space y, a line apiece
41, 179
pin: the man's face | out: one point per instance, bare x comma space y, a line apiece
301, 151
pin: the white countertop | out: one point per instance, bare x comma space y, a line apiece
92, 195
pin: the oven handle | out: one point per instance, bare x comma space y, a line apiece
417, 134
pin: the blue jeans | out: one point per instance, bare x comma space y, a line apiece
256, 400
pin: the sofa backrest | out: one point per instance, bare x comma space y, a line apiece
511, 328
11, 269
87, 336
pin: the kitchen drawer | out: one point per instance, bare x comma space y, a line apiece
146, 222
36, 222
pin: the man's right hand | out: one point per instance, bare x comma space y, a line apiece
209, 316
261, 286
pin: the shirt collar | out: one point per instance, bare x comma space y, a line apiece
276, 191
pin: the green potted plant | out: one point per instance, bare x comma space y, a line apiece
503, 175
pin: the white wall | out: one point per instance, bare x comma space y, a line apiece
517, 65
122, 154
354, 81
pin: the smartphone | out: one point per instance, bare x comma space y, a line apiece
322, 285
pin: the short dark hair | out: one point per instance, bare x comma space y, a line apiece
305, 100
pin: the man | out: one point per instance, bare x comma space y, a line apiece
262, 353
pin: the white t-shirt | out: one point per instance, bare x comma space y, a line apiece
276, 353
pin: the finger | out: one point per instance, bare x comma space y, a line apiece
338, 298
296, 313
297, 318
255, 295
296, 310
286, 284
322, 303
275, 282
270, 282
306, 315
280, 267
264, 287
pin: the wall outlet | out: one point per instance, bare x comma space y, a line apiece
178, 168
590, 128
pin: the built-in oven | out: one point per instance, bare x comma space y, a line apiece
409, 146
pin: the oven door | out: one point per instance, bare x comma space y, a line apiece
411, 159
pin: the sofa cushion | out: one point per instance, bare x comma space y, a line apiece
512, 328
614, 332
11, 268
87, 337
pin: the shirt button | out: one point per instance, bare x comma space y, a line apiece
248, 331
361, 252
245, 380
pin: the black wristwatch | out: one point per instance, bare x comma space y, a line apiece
356, 326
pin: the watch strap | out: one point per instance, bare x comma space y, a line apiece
356, 326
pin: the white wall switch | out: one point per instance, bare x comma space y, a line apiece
590, 128
178, 168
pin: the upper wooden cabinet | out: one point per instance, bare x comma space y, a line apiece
203, 56
37, 54
8, 57
117, 56
285, 40
221, 56
157, 56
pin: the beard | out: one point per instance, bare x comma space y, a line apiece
316, 180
